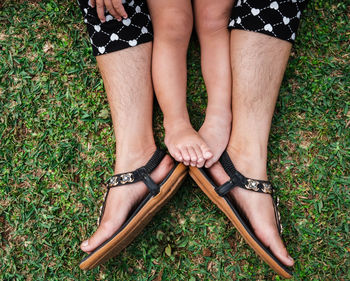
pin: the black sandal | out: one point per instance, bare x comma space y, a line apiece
157, 197
219, 195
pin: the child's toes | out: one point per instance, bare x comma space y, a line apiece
207, 154
200, 159
185, 156
211, 162
193, 156
176, 154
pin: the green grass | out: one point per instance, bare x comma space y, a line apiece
57, 147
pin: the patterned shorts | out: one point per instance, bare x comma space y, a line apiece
113, 35
277, 18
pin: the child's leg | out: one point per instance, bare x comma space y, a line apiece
211, 19
172, 23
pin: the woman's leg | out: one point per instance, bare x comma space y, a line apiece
211, 18
258, 63
172, 24
127, 78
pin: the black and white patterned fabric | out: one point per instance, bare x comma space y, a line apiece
277, 18
113, 35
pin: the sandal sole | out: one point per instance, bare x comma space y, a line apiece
219, 201
138, 223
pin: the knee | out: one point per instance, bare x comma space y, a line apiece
212, 20
176, 26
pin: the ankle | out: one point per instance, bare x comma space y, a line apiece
219, 111
218, 118
133, 157
171, 123
249, 160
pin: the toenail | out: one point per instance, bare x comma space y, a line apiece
208, 154
85, 243
290, 258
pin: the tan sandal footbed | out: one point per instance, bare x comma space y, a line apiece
225, 205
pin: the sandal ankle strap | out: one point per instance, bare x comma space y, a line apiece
140, 174
237, 179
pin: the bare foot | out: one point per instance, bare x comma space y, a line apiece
119, 203
257, 206
185, 144
215, 131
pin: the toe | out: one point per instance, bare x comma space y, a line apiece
270, 237
185, 156
200, 163
211, 162
176, 154
193, 156
84, 246
200, 160
102, 234
206, 152
280, 251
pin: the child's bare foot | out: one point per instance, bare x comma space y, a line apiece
215, 131
122, 199
258, 207
185, 144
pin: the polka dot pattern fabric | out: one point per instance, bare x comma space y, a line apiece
277, 18
113, 35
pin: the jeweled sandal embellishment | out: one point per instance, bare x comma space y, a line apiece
277, 202
281, 226
113, 181
101, 210
252, 184
120, 179
128, 177
255, 185
267, 188
99, 217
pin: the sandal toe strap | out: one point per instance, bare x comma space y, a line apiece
140, 174
237, 179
